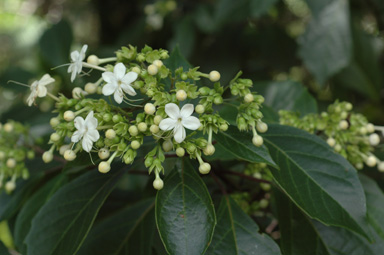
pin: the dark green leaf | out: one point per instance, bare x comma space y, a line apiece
322, 183
3, 249
31, 207
185, 36
185, 215
260, 7
237, 233
240, 145
63, 222
177, 60
129, 231
326, 45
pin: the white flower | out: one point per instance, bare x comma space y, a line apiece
119, 81
77, 62
178, 120
38, 88
86, 129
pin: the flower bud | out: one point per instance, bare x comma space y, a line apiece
10, 186
359, 166
90, 88
248, 98
154, 129
152, 69
136, 69
135, 144
343, 125
47, 156
117, 118
77, 93
261, 127
374, 139
370, 128
142, 126
199, 109
8, 127
224, 127
209, 150
69, 155
380, 167
158, 63
257, 140
93, 60
54, 122
265, 186
343, 115
110, 134
104, 167
184, 76
371, 161
157, 119
204, 91
64, 148
263, 203
11, 163
181, 95
55, 137
133, 131
363, 130
107, 117
218, 100
167, 145
337, 147
214, 76
348, 106
180, 152
331, 142
149, 109
2, 155
69, 115
103, 153
158, 183
204, 168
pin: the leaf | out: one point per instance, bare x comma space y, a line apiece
3, 249
375, 204
185, 215
260, 7
287, 95
322, 183
298, 234
237, 233
129, 231
32, 206
62, 224
240, 145
176, 60
326, 45
184, 36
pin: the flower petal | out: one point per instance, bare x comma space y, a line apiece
129, 78
31, 99
87, 144
118, 96
168, 124
109, 89
172, 110
83, 50
90, 121
45, 80
108, 77
41, 91
128, 89
191, 122
119, 71
187, 110
79, 124
73, 75
76, 136
75, 55
179, 134
93, 135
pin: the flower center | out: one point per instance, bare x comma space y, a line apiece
179, 119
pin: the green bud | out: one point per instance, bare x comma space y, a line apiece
184, 76
140, 117
148, 161
117, 118
201, 142
140, 57
107, 117
204, 91
191, 148
218, 100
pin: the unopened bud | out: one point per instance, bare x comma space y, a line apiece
331, 142
380, 167
180, 152
157, 119
370, 128
69, 115
261, 127
214, 76
154, 129
90, 88
142, 126
343, 125
149, 109
153, 69
248, 98
47, 156
205, 168
10, 186
104, 167
257, 140
167, 145
54, 122
103, 153
55, 137
374, 139
199, 108
209, 150
69, 155
371, 161
8, 127
110, 134
136, 70
133, 131
158, 184
158, 63
181, 95
77, 93
11, 163
93, 60
135, 145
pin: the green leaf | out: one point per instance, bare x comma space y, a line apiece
129, 231
185, 36
237, 233
32, 206
287, 95
326, 45
298, 234
240, 145
62, 224
260, 7
185, 215
375, 204
3, 249
176, 60
322, 183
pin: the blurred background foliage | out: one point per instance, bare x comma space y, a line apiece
334, 48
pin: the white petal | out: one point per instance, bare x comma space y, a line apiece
118, 96
31, 99
108, 77
109, 89
187, 110
172, 110
41, 91
83, 50
191, 123
70, 68
34, 86
73, 75
168, 124
93, 135
129, 77
45, 80
87, 144
79, 124
76, 136
75, 55
128, 89
90, 121
179, 134
119, 71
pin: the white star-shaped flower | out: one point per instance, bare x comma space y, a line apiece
86, 130
38, 88
77, 62
179, 120
119, 81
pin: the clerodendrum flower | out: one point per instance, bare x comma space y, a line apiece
179, 120
77, 62
119, 81
86, 130
38, 88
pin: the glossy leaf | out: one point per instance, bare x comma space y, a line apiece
129, 231
62, 224
176, 60
185, 215
322, 183
240, 145
237, 233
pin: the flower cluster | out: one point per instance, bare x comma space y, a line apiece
149, 102
14, 138
347, 132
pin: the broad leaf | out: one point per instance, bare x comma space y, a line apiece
129, 231
326, 45
3, 249
62, 224
177, 60
322, 183
237, 233
240, 145
260, 7
185, 215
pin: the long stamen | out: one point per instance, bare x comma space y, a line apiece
94, 67
53, 68
18, 83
